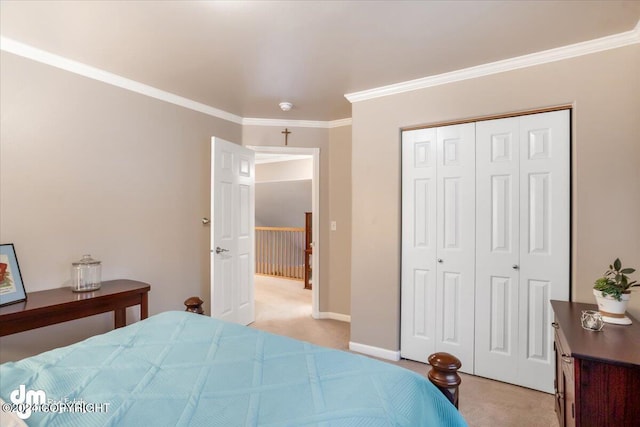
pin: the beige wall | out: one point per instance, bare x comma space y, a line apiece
605, 91
339, 299
283, 204
292, 170
90, 168
335, 165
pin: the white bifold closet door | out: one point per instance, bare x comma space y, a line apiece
438, 243
522, 246
485, 244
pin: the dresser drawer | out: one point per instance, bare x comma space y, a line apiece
564, 381
564, 355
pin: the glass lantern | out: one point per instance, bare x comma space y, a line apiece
85, 274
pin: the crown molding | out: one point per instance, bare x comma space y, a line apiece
296, 123
557, 54
30, 52
340, 123
44, 57
571, 51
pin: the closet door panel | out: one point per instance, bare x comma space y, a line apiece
418, 313
455, 225
497, 248
544, 230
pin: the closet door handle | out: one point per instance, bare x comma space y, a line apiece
440, 260
515, 266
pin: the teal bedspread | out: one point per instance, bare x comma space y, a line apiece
182, 369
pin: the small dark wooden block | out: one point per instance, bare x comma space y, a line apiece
194, 305
444, 375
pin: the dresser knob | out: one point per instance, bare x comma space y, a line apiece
555, 325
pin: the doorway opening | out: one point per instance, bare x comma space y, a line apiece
266, 154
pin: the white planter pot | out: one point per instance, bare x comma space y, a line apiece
612, 310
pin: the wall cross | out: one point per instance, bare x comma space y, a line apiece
286, 133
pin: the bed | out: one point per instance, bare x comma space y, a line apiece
183, 369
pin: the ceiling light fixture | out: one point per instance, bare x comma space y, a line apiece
286, 106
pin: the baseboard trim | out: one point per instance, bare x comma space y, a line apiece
369, 350
334, 316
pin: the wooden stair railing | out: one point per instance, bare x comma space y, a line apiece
280, 252
308, 249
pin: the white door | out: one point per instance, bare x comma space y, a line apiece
232, 232
498, 248
544, 240
418, 296
455, 219
522, 251
438, 243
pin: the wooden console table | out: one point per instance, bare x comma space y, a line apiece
59, 305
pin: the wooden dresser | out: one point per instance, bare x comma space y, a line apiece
597, 373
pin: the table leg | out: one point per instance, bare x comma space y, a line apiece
144, 306
120, 317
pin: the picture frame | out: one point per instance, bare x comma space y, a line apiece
11, 285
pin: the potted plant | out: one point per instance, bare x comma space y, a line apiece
612, 292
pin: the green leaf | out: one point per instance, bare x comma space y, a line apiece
602, 281
627, 270
617, 264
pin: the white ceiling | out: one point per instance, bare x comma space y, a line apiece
263, 157
244, 57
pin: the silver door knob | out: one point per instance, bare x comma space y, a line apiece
440, 260
515, 266
219, 250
